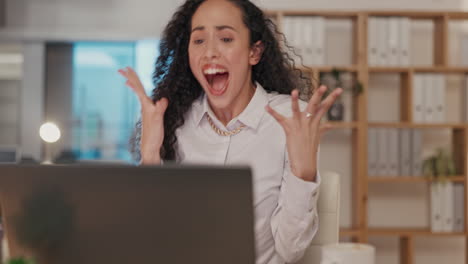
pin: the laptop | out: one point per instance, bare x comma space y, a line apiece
126, 214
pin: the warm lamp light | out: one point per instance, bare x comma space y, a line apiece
50, 133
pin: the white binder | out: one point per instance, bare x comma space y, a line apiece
382, 47
372, 43
404, 38
372, 151
416, 147
382, 164
405, 152
447, 207
297, 39
319, 40
308, 39
393, 41
436, 207
418, 98
429, 98
392, 141
288, 33
439, 91
458, 207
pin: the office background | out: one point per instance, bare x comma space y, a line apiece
59, 60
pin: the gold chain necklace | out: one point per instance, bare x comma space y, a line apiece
222, 132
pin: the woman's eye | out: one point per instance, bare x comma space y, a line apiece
198, 41
227, 40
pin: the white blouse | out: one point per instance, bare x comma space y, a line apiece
285, 206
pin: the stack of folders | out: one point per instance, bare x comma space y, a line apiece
307, 35
447, 207
389, 41
394, 152
429, 98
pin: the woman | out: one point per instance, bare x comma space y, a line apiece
222, 97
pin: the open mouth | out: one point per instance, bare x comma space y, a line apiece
217, 78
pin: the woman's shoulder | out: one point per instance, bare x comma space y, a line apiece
282, 103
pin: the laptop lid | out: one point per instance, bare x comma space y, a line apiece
126, 214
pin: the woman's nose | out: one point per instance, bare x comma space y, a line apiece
212, 50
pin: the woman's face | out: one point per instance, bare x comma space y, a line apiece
220, 53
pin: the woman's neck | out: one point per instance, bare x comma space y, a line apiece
225, 115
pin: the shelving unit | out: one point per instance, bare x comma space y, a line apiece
359, 125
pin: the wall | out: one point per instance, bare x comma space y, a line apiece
122, 19
86, 19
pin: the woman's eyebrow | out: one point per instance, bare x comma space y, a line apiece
225, 27
219, 28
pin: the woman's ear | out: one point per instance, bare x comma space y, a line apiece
256, 52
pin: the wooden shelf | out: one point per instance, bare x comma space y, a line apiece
440, 69
457, 15
416, 125
428, 69
410, 232
337, 125
323, 13
350, 68
346, 232
377, 69
410, 14
410, 179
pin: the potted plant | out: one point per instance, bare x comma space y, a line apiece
439, 166
339, 79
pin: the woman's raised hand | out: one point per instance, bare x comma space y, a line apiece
152, 119
303, 131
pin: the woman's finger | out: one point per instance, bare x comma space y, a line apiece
314, 102
134, 83
326, 104
295, 104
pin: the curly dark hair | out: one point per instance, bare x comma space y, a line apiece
174, 79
